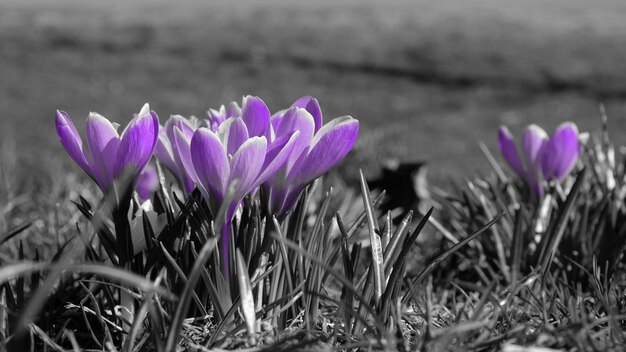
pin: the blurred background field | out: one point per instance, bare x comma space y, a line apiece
427, 79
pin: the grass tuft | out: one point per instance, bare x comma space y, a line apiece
490, 267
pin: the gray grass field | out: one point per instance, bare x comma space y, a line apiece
427, 79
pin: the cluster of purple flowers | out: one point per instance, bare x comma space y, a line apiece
230, 154
236, 151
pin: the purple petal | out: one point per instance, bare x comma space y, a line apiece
330, 145
216, 113
533, 142
256, 115
71, 141
562, 151
187, 129
188, 183
290, 199
297, 119
282, 186
164, 153
246, 165
277, 118
138, 141
103, 142
183, 160
509, 150
277, 155
311, 105
215, 118
291, 178
210, 162
182, 123
277, 197
233, 110
233, 132
147, 183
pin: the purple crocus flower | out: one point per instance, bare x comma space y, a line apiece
233, 161
108, 153
318, 148
167, 151
147, 183
544, 158
216, 117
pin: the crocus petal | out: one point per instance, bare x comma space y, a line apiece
138, 141
183, 160
71, 141
330, 145
233, 133
283, 186
509, 150
210, 162
277, 155
182, 123
164, 153
297, 119
216, 114
277, 197
290, 198
147, 183
246, 164
187, 129
311, 105
215, 118
233, 110
145, 110
256, 115
103, 142
277, 118
533, 142
562, 151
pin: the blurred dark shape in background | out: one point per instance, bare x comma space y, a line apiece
405, 185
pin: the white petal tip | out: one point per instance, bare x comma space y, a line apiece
145, 109
535, 129
568, 124
61, 119
95, 116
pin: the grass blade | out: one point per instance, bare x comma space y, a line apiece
247, 298
391, 252
376, 246
15, 231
